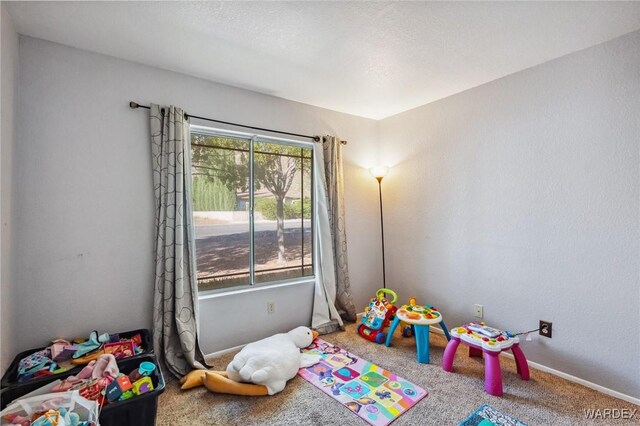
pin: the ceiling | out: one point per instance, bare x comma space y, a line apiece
372, 59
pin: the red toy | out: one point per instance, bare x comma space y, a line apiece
378, 315
124, 349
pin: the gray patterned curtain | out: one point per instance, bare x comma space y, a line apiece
332, 300
334, 177
175, 313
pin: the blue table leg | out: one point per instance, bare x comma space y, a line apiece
446, 330
442, 324
392, 329
422, 343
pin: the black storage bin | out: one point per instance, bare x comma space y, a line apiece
12, 389
140, 410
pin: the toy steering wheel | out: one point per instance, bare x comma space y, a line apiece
385, 291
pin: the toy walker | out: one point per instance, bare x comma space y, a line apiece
378, 315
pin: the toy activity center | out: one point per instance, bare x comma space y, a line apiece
311, 212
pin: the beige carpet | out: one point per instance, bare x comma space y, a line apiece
543, 400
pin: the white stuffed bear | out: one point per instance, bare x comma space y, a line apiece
266, 364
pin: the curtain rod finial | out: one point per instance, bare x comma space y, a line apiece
318, 139
133, 105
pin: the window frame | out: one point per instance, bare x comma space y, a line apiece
254, 138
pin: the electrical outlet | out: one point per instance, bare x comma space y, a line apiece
545, 328
479, 311
271, 307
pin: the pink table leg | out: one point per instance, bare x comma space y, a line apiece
492, 373
449, 354
521, 362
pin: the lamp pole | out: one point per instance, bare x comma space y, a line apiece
380, 172
384, 275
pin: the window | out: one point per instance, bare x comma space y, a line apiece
235, 174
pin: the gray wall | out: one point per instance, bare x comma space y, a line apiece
84, 193
9, 71
522, 195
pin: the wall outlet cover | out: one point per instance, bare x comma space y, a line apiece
545, 328
478, 311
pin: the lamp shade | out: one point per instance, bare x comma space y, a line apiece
378, 171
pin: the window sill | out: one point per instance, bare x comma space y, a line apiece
214, 294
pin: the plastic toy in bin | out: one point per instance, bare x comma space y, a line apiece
116, 388
143, 386
140, 377
145, 369
378, 315
62, 350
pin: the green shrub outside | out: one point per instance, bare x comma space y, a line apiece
267, 206
211, 195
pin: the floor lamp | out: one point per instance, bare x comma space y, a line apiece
379, 172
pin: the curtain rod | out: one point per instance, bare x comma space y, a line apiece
134, 105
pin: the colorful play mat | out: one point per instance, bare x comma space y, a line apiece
376, 395
489, 416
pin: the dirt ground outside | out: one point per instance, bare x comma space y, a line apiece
229, 254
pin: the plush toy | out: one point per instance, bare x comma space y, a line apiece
260, 368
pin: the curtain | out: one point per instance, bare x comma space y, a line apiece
175, 312
332, 297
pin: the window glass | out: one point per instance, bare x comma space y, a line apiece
282, 196
228, 178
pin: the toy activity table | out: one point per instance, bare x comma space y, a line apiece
420, 317
487, 341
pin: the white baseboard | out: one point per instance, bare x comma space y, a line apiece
237, 348
223, 352
567, 376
